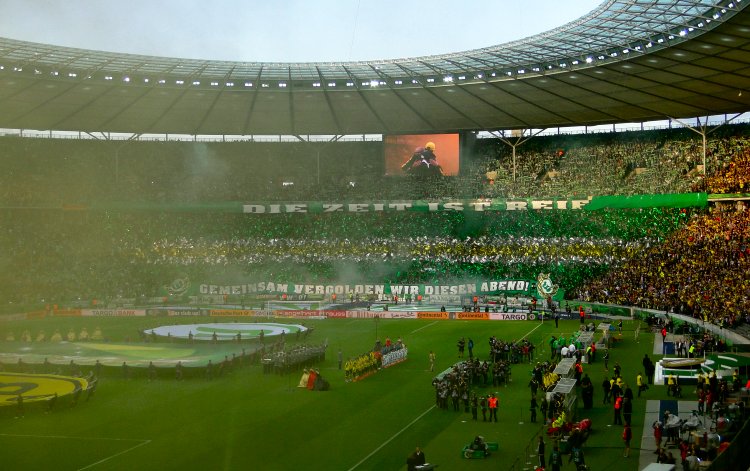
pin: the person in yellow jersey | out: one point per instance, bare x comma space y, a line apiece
642, 386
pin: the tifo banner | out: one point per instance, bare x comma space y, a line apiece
476, 205
243, 288
33, 387
316, 207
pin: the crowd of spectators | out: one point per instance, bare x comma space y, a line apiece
699, 270
61, 243
53, 172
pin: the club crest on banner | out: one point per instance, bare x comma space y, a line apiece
545, 287
179, 286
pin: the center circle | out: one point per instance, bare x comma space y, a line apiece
224, 331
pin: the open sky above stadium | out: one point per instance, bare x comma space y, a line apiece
285, 30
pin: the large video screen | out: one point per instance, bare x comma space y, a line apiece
421, 154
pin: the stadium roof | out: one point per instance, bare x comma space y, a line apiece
627, 61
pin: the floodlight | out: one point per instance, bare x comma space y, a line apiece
589, 60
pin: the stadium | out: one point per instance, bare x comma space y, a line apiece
324, 265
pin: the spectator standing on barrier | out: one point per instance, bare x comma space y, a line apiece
492, 402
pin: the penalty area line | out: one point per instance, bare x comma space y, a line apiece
392, 438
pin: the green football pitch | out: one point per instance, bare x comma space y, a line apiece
250, 418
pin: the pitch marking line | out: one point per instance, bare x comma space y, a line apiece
425, 326
392, 438
137, 445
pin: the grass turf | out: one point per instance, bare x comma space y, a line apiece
248, 419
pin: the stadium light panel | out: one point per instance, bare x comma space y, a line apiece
179, 82
248, 84
196, 82
448, 79
162, 82
282, 85
126, 79
349, 84
589, 60
373, 83
229, 84
398, 82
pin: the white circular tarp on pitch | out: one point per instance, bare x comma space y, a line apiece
225, 331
